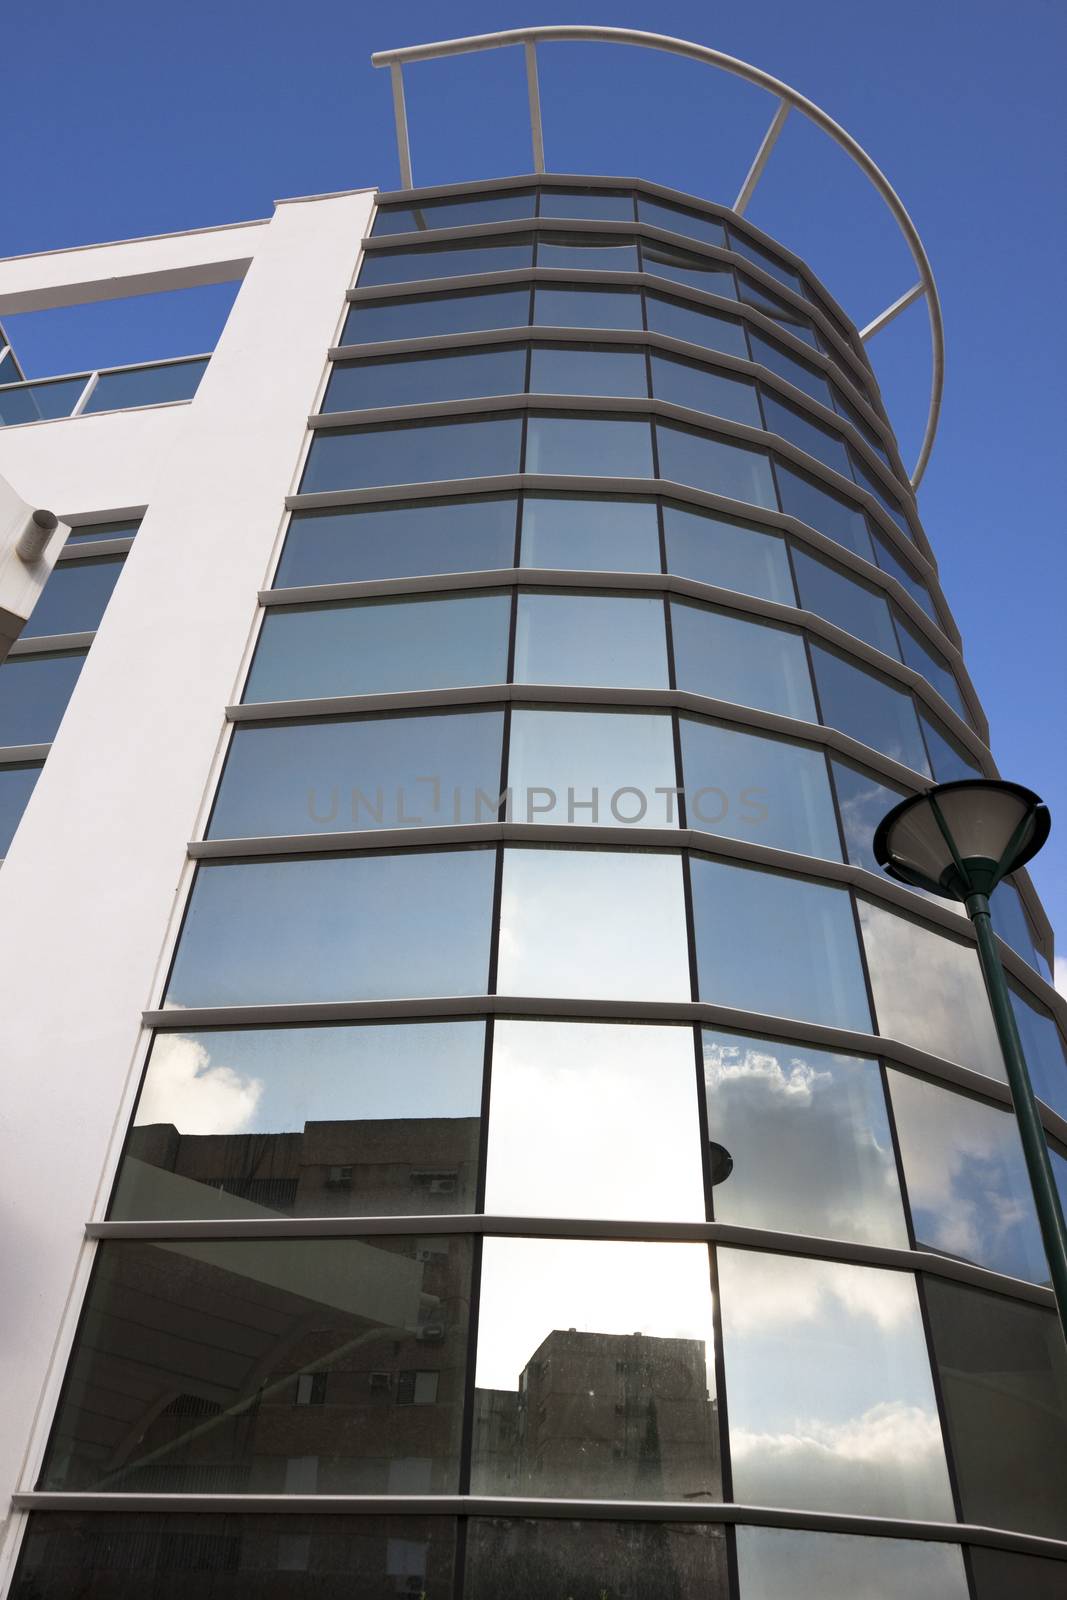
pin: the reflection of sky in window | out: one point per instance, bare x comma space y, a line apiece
779, 1562
591, 751
605, 535
591, 639
831, 1400
770, 791
593, 1120
531, 1287
732, 658
1043, 1047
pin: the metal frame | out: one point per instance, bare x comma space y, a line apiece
788, 99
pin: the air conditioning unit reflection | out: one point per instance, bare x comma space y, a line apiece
432, 1333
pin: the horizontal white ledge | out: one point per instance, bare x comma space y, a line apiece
49, 643
94, 547
12, 755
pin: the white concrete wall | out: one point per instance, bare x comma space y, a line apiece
89, 887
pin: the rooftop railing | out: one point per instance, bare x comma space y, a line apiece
149, 383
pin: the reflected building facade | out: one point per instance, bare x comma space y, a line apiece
533, 1152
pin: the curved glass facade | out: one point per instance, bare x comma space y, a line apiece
547, 1099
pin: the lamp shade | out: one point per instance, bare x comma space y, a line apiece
959, 839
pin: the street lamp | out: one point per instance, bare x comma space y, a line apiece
958, 840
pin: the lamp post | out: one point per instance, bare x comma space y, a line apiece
958, 840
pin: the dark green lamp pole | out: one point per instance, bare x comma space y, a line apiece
958, 840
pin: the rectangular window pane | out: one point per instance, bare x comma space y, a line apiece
687, 383
824, 511
1003, 1371
580, 532
775, 1562
746, 786
16, 786
89, 532
419, 452
422, 316
560, 306
790, 367
601, 205
928, 990
463, 212
890, 562
1044, 1050
947, 757
370, 927
860, 423
595, 1375
735, 471
593, 253
75, 597
380, 647
584, 369
146, 386
966, 1177
863, 801
611, 768
1013, 925
805, 433
730, 555
186, 1374
585, 446
641, 1560
603, 924
406, 539
679, 219
606, 640
779, 310
800, 1141
832, 1405
418, 380
744, 246
699, 324
832, 593
681, 266
34, 691
868, 708
1000, 1574
39, 402
367, 772
777, 944
889, 504
445, 260
321, 1122
553, 1083
732, 658
933, 667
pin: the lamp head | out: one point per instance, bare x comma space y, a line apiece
959, 839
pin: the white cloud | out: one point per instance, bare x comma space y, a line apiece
183, 1087
1059, 976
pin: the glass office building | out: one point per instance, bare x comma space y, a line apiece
543, 1157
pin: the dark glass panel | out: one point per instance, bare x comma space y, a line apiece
744, 246
933, 667
734, 658
369, 927
445, 260
1013, 925
699, 324
597, 639
863, 801
832, 593
867, 480
560, 306
9, 372
777, 309
601, 205
800, 1141
417, 452
381, 646
146, 386
589, 446
788, 366
736, 471
821, 509
1003, 1369
743, 785
947, 756
418, 380
860, 423
776, 1563
868, 708
191, 1369
687, 383
87, 532
464, 211
679, 219
38, 402
890, 562
587, 369
309, 1122
75, 597
366, 772
966, 1178
176, 1555
16, 786
1044, 1050
595, 1373
683, 266
532, 1560
406, 539
731, 555
578, 531
805, 433
470, 311
596, 252
1007, 1575
34, 691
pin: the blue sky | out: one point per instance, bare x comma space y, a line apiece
125, 119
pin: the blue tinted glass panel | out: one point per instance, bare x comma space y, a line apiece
596, 639
37, 402
890, 562
699, 272
809, 970
422, 316
418, 380
601, 205
360, 458
75, 596
370, 772
780, 310
822, 443
948, 758
1044, 1050
687, 383
594, 254
584, 369
595, 768
763, 258
823, 510
866, 707
586, 308
146, 386
445, 261
863, 802
730, 555
380, 647
609, 535
370, 927
1011, 922
789, 367
355, 544
88, 532
732, 658
678, 219
9, 372
769, 791
840, 598
469, 211
860, 423
934, 668
599, 447
867, 480
681, 320
34, 691
735, 471
16, 786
